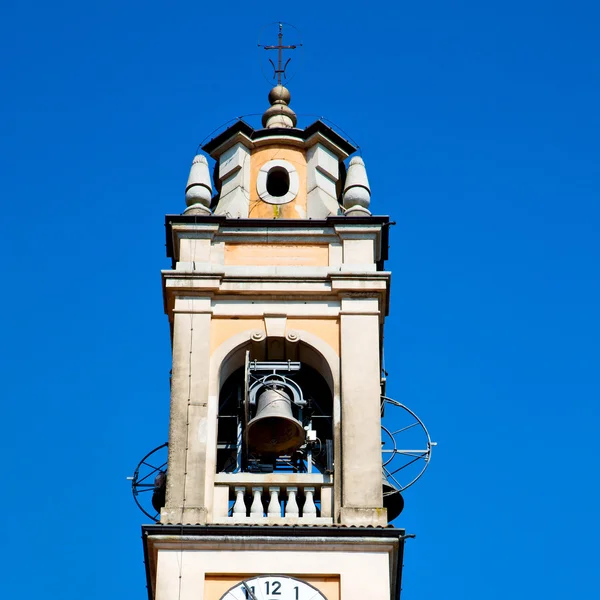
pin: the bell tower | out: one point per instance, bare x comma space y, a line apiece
276, 300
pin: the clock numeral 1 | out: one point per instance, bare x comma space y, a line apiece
297, 594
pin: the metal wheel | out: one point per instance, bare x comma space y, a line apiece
149, 480
405, 445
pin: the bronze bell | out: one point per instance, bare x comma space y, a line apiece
160, 491
392, 500
274, 430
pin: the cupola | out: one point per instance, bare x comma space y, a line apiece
280, 171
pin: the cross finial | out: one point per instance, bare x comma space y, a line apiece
279, 70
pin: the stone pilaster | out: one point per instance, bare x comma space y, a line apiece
362, 498
191, 436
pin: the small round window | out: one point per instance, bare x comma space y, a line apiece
277, 182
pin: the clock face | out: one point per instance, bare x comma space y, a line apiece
273, 587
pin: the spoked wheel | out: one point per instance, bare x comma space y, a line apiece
149, 482
405, 446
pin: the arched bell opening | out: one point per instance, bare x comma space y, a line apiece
275, 416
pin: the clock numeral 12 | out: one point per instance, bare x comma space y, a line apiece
276, 587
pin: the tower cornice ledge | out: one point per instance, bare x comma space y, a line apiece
282, 283
275, 230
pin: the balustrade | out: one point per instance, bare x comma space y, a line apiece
254, 499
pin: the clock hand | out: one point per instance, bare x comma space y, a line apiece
250, 593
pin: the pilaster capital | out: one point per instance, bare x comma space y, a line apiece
191, 231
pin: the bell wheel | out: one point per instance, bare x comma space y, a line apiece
405, 445
149, 482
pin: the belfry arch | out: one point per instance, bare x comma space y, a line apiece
317, 376
300, 345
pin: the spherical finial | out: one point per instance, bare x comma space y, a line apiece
279, 94
279, 114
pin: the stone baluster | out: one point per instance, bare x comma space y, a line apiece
309, 509
274, 509
256, 510
291, 508
239, 508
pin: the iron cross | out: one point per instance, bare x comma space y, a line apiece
280, 69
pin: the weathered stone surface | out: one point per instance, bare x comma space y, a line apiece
198, 191
357, 193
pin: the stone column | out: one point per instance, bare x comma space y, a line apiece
362, 499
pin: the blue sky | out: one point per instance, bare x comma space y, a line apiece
479, 125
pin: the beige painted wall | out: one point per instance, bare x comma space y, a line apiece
223, 329
362, 574
326, 329
312, 255
296, 209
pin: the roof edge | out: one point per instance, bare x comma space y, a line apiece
241, 126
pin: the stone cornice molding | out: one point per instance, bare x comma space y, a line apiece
295, 283
333, 231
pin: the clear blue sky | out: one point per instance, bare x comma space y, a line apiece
479, 124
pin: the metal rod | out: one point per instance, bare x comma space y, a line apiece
405, 428
406, 465
309, 456
239, 448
